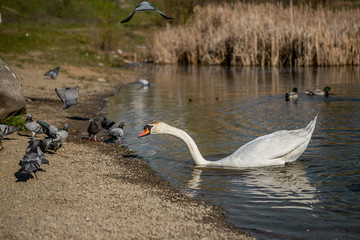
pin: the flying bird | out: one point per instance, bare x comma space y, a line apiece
53, 73
117, 133
32, 126
293, 95
143, 7
68, 96
93, 129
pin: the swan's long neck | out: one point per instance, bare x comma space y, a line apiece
194, 150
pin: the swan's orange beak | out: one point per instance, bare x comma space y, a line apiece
147, 131
144, 133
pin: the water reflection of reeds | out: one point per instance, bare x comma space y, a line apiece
208, 82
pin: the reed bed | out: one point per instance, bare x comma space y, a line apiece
262, 35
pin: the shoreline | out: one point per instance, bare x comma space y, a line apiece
93, 190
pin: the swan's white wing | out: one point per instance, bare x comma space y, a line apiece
272, 149
275, 145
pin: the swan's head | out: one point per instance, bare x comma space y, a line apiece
153, 128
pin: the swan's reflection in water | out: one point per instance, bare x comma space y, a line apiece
278, 186
195, 182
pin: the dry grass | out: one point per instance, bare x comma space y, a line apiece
262, 34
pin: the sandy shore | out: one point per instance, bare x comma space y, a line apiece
92, 190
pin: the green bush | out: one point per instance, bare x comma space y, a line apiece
16, 120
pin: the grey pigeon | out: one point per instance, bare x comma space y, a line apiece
5, 130
34, 147
62, 134
47, 144
48, 129
93, 129
107, 124
68, 96
8, 129
54, 144
143, 7
53, 72
117, 133
32, 126
31, 161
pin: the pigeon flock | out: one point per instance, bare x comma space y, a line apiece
55, 138
34, 155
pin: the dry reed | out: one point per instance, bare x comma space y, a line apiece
262, 35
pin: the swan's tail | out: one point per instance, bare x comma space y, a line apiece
311, 126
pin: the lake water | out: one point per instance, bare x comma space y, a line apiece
317, 197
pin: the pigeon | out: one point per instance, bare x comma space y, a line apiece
47, 144
93, 129
293, 95
54, 144
117, 133
107, 124
48, 129
34, 145
32, 126
53, 72
142, 7
31, 161
63, 133
69, 96
8, 129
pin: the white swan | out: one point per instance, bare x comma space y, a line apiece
276, 148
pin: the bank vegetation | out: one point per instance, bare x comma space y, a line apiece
262, 35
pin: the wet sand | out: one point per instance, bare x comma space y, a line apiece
92, 190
